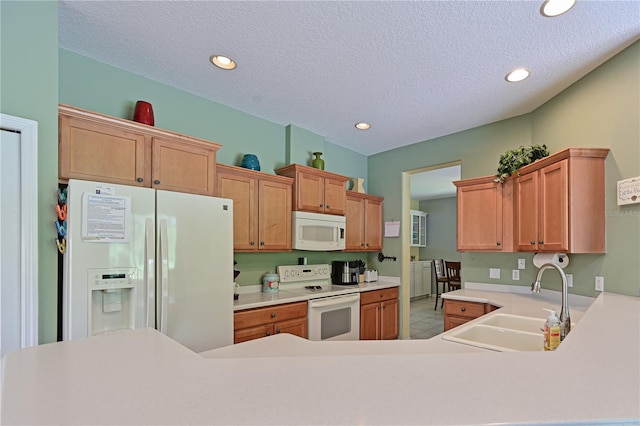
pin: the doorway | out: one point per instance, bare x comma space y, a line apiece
432, 194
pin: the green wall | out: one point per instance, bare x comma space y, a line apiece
600, 110
441, 229
29, 89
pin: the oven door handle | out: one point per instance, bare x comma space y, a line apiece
334, 300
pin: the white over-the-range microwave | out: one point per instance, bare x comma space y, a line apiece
317, 232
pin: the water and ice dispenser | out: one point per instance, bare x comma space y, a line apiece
112, 299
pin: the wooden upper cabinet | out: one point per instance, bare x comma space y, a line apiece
485, 215
560, 203
98, 147
316, 190
364, 222
261, 208
179, 165
91, 150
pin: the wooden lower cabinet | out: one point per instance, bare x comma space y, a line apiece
379, 317
261, 322
458, 312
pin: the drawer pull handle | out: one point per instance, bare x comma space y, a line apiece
463, 309
273, 315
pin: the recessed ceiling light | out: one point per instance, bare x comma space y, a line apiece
363, 126
553, 8
516, 75
223, 62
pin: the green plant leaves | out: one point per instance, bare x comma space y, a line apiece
514, 159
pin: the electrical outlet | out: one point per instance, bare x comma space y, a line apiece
599, 283
494, 273
570, 280
520, 263
515, 274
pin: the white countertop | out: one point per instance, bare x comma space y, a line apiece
254, 298
143, 377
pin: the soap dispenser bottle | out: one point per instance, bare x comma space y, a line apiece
551, 331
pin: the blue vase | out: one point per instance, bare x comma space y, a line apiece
250, 161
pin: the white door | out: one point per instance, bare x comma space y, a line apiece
10, 241
195, 269
18, 233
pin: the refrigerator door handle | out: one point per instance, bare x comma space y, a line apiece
164, 276
150, 255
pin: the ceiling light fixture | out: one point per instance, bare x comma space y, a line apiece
223, 62
516, 75
363, 126
551, 8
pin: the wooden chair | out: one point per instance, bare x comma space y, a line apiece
453, 275
440, 274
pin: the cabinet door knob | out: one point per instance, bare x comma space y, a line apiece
533, 243
253, 243
261, 243
273, 315
156, 182
498, 243
140, 180
277, 330
268, 333
463, 309
540, 242
320, 205
328, 206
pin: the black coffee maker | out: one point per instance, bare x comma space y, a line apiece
345, 272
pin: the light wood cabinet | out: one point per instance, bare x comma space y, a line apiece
379, 317
261, 208
316, 190
458, 312
559, 203
364, 222
485, 215
98, 147
261, 322
418, 228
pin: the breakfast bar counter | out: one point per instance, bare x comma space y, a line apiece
143, 377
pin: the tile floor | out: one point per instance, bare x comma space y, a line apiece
425, 322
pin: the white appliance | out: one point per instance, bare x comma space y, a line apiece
317, 232
137, 257
333, 310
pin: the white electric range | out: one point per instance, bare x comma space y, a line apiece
334, 311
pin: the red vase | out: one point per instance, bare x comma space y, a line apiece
143, 113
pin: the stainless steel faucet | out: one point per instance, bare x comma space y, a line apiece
565, 321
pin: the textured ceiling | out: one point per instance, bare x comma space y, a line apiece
414, 70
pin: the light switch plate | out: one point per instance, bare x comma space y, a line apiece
494, 273
521, 264
515, 274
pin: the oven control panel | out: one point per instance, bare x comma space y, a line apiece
294, 273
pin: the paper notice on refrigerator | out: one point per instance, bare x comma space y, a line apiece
106, 218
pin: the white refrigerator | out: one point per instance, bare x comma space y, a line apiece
139, 257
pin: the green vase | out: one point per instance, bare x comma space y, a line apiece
318, 162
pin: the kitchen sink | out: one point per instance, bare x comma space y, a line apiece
501, 332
